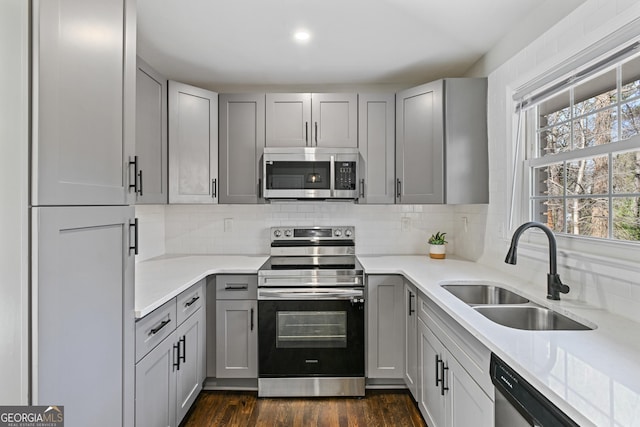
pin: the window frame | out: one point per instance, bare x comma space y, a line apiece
531, 159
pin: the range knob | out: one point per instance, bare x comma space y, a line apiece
348, 232
277, 233
288, 233
337, 233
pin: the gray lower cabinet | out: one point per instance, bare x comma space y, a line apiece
149, 174
83, 102
441, 143
385, 323
156, 386
410, 301
171, 357
83, 324
454, 384
376, 143
312, 120
192, 371
236, 326
241, 139
193, 144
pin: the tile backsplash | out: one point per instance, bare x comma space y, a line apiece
244, 229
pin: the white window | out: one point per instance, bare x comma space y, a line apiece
584, 155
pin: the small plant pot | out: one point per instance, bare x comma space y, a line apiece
437, 251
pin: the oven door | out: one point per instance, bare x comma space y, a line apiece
310, 333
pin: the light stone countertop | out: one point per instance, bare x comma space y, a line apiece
593, 376
160, 279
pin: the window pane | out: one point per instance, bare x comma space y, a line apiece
588, 176
549, 181
595, 94
588, 217
631, 79
555, 110
550, 212
626, 218
595, 129
626, 172
555, 139
630, 112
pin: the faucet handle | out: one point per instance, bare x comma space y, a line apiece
555, 287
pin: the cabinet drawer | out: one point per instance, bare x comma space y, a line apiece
232, 286
189, 301
152, 329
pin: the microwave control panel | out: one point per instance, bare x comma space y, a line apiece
345, 175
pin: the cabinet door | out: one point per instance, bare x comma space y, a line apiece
335, 120
241, 146
83, 316
190, 375
468, 404
376, 141
288, 122
410, 300
193, 144
156, 386
236, 339
81, 140
431, 402
385, 314
420, 145
151, 136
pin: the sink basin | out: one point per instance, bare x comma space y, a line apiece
530, 318
482, 294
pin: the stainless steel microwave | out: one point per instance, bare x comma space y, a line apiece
310, 173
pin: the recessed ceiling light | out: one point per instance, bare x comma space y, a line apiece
301, 36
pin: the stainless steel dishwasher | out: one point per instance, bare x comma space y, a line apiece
519, 404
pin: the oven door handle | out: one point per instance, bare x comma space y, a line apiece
307, 294
289, 284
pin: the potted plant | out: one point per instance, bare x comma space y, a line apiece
437, 248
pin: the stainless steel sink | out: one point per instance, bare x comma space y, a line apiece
483, 294
530, 318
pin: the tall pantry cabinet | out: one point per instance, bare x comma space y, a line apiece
83, 230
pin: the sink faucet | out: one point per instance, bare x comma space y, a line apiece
554, 284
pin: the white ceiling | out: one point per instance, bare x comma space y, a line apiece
250, 42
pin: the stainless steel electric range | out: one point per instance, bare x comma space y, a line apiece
311, 314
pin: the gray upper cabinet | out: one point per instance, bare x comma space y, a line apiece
81, 125
441, 143
193, 144
288, 119
312, 120
242, 136
376, 142
335, 119
151, 136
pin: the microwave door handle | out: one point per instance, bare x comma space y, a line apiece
332, 176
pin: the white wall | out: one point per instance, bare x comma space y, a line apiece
13, 202
608, 276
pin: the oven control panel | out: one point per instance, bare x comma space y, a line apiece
313, 233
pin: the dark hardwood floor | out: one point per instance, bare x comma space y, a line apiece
379, 408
